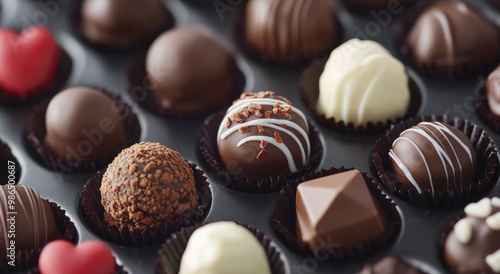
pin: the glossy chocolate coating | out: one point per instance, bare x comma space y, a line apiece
390, 265
433, 156
120, 23
189, 70
83, 123
34, 224
286, 31
148, 186
255, 142
337, 210
375, 4
451, 34
493, 91
469, 257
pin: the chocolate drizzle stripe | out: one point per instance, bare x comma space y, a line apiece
280, 146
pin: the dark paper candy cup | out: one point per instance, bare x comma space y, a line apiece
9, 159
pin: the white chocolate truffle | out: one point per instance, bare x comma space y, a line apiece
363, 83
224, 248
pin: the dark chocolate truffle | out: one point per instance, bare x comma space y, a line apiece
390, 265
473, 245
27, 220
121, 23
83, 123
189, 70
433, 156
148, 186
493, 91
337, 210
452, 36
262, 135
283, 31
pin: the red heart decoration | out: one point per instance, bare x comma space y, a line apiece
62, 257
29, 60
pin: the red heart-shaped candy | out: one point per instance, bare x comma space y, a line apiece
62, 257
29, 60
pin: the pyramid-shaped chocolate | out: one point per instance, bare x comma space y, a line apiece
337, 210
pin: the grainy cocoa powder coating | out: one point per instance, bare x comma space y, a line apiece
147, 186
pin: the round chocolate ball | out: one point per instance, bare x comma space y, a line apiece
121, 23
493, 91
148, 186
34, 223
262, 135
473, 245
189, 70
283, 31
83, 123
433, 156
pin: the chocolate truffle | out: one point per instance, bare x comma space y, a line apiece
262, 135
493, 91
148, 186
83, 123
282, 31
473, 245
224, 247
433, 156
363, 83
376, 4
451, 36
121, 23
26, 218
337, 210
189, 70
390, 265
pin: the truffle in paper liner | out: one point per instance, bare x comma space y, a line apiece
487, 161
170, 254
28, 259
93, 214
309, 83
36, 133
284, 217
141, 92
483, 108
209, 152
9, 159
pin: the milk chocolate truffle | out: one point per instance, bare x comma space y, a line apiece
363, 83
337, 210
27, 219
493, 91
473, 245
224, 247
147, 186
83, 123
121, 23
282, 31
390, 265
433, 156
189, 70
451, 36
262, 135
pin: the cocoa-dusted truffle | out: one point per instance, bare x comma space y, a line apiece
262, 135
434, 157
121, 23
147, 186
83, 123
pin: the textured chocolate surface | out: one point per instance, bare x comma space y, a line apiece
284, 31
493, 91
83, 123
31, 226
390, 265
433, 156
189, 70
451, 34
147, 186
262, 135
473, 245
337, 210
120, 23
